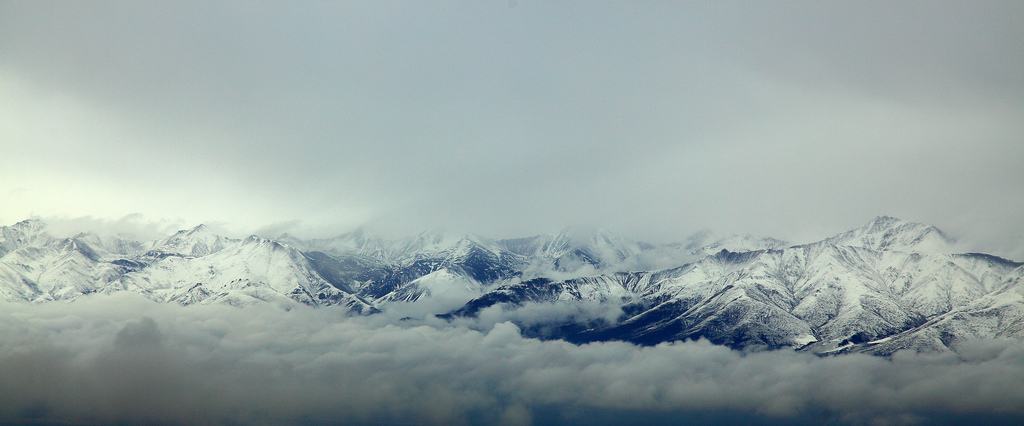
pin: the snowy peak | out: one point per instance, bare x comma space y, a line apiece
741, 243
195, 242
442, 284
355, 241
475, 257
27, 233
591, 238
819, 297
704, 244
192, 266
360, 242
110, 246
430, 241
574, 248
473, 242
887, 279
886, 233
256, 240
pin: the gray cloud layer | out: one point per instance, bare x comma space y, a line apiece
121, 359
792, 120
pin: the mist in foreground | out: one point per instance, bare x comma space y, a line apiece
122, 358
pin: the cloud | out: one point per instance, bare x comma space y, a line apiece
652, 120
134, 227
118, 358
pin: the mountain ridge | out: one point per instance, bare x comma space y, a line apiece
878, 288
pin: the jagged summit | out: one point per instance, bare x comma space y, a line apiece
577, 249
888, 285
197, 241
29, 232
742, 243
890, 233
33, 224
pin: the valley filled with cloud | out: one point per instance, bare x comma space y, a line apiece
121, 358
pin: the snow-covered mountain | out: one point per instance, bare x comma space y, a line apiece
27, 233
887, 285
892, 234
196, 242
573, 249
191, 266
878, 288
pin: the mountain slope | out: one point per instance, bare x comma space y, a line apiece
892, 234
846, 291
879, 288
191, 266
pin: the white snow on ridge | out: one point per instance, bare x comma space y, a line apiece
192, 266
886, 285
886, 233
198, 241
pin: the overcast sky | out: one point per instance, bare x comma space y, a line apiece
793, 120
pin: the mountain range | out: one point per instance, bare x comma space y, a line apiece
879, 288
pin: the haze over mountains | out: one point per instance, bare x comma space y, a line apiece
879, 288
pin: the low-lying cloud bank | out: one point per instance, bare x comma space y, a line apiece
120, 358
